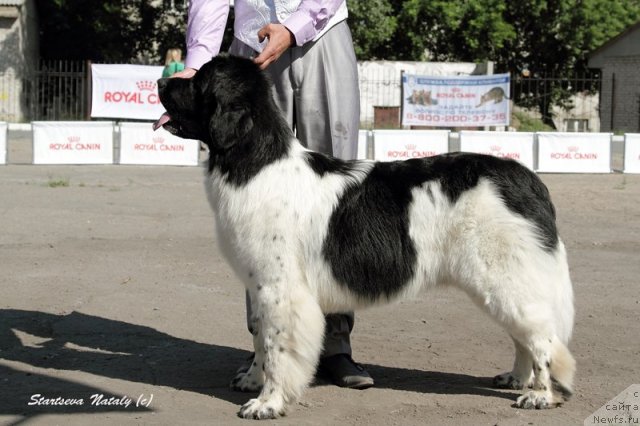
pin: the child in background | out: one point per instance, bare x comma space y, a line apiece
173, 62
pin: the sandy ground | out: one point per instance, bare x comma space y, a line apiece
111, 285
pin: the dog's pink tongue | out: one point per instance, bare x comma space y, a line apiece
163, 119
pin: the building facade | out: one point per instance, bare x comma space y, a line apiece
619, 60
18, 55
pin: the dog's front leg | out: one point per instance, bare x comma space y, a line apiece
290, 334
251, 378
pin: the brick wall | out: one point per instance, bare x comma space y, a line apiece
620, 95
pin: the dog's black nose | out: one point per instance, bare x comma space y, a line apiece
162, 82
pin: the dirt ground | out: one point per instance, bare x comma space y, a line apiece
112, 290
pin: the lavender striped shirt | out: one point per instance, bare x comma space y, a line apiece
207, 20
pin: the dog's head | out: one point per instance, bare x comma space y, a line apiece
219, 105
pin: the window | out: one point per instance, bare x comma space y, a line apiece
576, 125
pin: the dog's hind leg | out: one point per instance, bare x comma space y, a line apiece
531, 325
553, 368
531, 322
291, 327
522, 374
525, 307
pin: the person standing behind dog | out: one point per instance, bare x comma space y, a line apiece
172, 62
307, 49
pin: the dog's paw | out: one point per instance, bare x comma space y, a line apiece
260, 410
246, 382
536, 399
508, 381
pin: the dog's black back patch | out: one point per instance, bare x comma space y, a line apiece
521, 190
368, 246
322, 164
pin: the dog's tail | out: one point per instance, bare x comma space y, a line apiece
564, 310
562, 369
563, 366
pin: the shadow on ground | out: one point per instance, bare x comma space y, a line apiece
116, 349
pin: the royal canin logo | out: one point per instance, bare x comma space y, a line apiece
145, 93
73, 143
158, 139
496, 148
146, 85
410, 147
573, 153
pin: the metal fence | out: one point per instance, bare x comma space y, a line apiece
55, 90
380, 98
60, 90
576, 98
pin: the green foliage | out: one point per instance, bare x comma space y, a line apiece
541, 35
460, 30
547, 36
528, 122
373, 25
606, 18
550, 38
109, 31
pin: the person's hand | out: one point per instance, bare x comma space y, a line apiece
280, 39
185, 73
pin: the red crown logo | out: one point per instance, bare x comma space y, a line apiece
573, 148
496, 148
158, 139
146, 85
410, 147
73, 139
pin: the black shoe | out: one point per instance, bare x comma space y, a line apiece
343, 371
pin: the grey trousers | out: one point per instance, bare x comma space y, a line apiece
316, 88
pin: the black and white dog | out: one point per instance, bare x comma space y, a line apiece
309, 234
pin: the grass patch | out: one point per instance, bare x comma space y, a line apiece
527, 123
58, 183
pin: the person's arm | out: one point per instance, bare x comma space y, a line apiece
301, 27
205, 28
310, 18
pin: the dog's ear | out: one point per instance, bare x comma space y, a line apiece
228, 127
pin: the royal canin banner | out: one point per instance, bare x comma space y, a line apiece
461, 101
574, 152
125, 91
140, 144
632, 153
3, 143
72, 142
391, 145
514, 145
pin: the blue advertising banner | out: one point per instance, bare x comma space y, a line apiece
461, 101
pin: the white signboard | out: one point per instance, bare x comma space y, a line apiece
125, 91
462, 101
632, 153
574, 152
363, 144
515, 145
390, 145
139, 144
3, 143
72, 142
